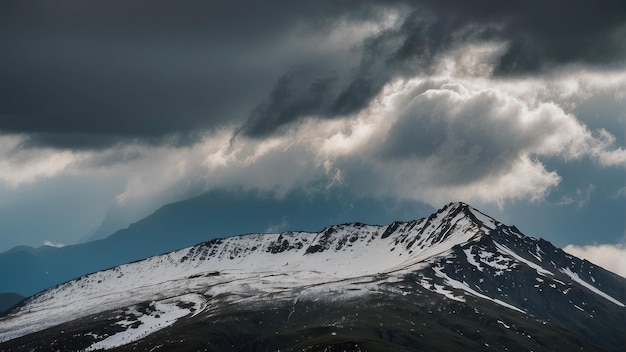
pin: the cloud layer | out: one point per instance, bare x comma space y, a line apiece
431, 138
433, 101
95, 75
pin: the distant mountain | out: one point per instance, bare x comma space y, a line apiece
9, 300
457, 280
27, 270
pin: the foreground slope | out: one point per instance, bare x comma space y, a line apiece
458, 279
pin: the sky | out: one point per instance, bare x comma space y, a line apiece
110, 109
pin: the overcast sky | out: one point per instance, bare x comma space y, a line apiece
110, 109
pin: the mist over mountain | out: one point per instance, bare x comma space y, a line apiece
456, 280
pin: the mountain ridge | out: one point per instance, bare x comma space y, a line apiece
457, 254
26, 270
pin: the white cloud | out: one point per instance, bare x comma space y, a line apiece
609, 256
23, 166
601, 150
444, 138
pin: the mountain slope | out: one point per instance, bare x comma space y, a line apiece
26, 270
458, 276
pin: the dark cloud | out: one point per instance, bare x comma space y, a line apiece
558, 31
91, 74
102, 89
539, 35
70, 140
100, 141
117, 70
300, 92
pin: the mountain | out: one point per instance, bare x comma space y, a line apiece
27, 270
9, 300
457, 280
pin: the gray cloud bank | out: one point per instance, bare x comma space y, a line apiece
539, 36
88, 75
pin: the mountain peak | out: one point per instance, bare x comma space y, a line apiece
472, 213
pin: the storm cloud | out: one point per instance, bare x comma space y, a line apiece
539, 36
119, 71
89, 75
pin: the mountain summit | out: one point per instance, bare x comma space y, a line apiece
457, 279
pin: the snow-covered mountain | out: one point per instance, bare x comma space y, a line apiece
455, 279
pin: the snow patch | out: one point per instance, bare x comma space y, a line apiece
577, 278
509, 252
486, 220
503, 324
471, 260
463, 286
165, 313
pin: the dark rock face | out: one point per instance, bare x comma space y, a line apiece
417, 321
